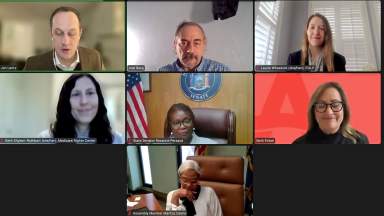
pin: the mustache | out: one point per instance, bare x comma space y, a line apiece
189, 56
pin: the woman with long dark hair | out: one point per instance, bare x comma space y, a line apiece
81, 112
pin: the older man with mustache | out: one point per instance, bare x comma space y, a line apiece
189, 45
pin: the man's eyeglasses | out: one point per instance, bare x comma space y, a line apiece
186, 122
322, 107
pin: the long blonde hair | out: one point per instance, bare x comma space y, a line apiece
327, 46
345, 128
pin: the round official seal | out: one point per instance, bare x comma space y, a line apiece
200, 86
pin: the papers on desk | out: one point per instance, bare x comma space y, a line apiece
131, 204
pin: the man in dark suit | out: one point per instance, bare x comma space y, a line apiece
66, 55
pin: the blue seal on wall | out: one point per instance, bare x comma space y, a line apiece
200, 86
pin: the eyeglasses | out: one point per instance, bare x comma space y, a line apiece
188, 182
186, 122
322, 107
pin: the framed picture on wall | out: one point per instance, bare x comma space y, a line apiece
146, 80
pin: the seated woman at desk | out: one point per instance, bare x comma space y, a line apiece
180, 123
81, 112
328, 118
317, 48
191, 196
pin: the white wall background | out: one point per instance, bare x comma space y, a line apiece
151, 27
25, 104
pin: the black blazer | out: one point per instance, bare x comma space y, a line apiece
338, 61
316, 136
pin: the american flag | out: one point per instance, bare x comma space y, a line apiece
201, 150
248, 205
137, 123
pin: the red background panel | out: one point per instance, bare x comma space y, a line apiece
281, 102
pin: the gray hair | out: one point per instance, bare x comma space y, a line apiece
186, 23
189, 164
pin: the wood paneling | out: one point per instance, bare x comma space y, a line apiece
235, 93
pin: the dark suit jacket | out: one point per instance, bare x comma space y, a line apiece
90, 60
338, 61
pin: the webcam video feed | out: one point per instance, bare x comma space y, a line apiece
189, 108
314, 108
318, 36
190, 180
86, 36
189, 36
50, 108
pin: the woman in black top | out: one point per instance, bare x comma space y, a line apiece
328, 118
317, 48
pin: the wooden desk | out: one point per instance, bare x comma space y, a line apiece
148, 201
